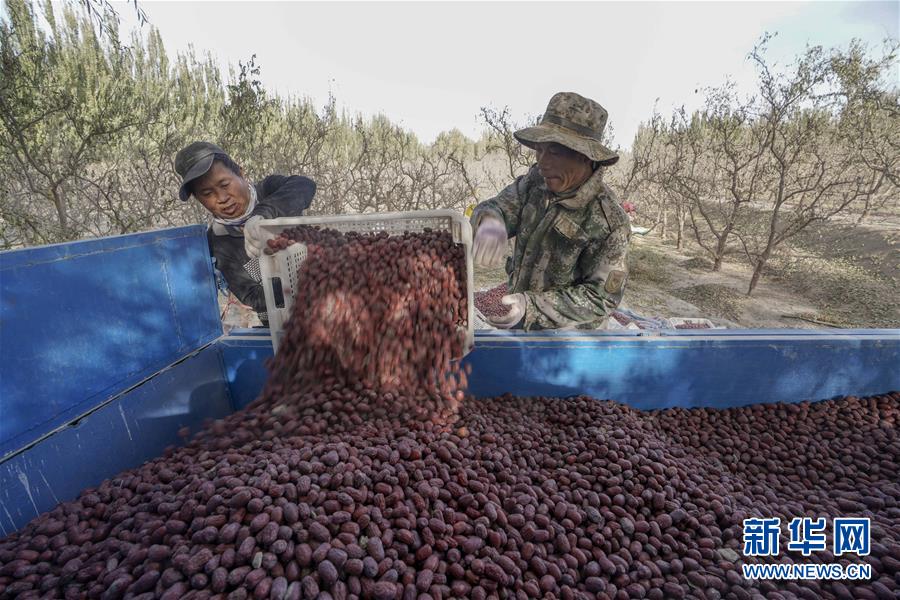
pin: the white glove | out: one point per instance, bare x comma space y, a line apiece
490, 242
254, 241
516, 304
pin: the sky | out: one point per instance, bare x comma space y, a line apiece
430, 66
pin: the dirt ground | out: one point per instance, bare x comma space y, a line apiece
838, 274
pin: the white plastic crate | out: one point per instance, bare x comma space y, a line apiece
700, 323
283, 265
481, 321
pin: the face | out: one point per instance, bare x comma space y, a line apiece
221, 192
562, 168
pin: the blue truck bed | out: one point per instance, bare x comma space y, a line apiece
109, 347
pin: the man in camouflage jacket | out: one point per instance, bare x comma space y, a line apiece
568, 268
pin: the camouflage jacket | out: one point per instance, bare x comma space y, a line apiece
570, 250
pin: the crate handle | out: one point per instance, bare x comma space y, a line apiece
277, 292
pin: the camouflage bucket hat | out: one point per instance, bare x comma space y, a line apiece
575, 122
193, 162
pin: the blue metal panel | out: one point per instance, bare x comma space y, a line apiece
715, 369
123, 434
719, 369
82, 321
244, 354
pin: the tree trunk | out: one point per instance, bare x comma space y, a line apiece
720, 251
757, 272
680, 233
757, 269
665, 223
60, 204
721, 246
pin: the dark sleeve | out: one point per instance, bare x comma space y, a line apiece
284, 196
230, 260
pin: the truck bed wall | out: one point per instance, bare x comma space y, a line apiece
717, 369
85, 320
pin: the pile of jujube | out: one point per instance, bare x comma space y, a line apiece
692, 325
623, 319
333, 487
378, 311
489, 301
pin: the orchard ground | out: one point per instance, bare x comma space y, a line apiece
839, 273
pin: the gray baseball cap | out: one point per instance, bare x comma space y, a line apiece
194, 161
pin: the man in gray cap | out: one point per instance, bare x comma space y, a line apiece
568, 267
236, 208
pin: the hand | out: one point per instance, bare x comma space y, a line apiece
516, 304
253, 237
490, 242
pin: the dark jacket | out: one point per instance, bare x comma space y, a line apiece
277, 196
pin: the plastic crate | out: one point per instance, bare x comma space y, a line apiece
280, 269
692, 323
481, 321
